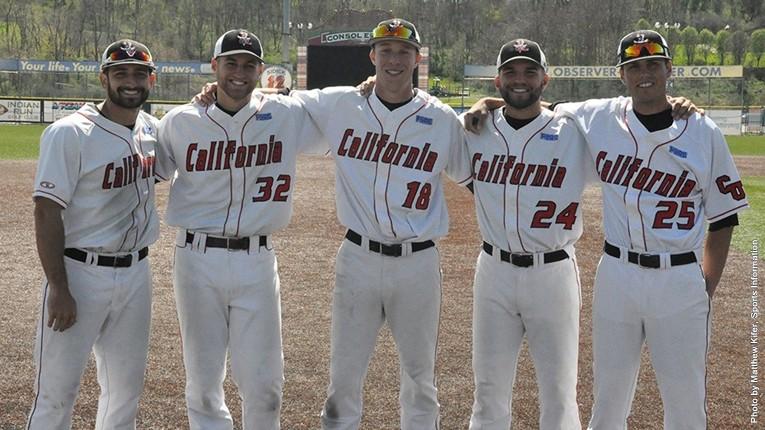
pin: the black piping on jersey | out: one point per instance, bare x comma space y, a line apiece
390, 166
40, 356
231, 175
244, 168
377, 165
135, 185
54, 197
148, 184
518, 186
650, 157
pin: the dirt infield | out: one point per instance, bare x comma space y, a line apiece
306, 252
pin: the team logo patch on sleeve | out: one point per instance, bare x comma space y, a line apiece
678, 152
263, 116
147, 129
424, 120
551, 137
47, 185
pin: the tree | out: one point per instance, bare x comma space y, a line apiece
757, 44
643, 24
706, 42
738, 43
722, 42
751, 9
690, 37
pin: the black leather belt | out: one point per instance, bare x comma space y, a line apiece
525, 260
231, 243
652, 261
389, 250
106, 260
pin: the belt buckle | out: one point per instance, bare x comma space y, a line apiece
521, 260
391, 250
122, 261
648, 260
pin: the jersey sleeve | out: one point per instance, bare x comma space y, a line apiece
462, 157
458, 166
165, 168
584, 113
311, 140
724, 195
320, 103
58, 168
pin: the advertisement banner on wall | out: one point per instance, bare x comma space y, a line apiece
54, 110
19, 111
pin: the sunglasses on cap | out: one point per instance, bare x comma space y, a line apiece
122, 54
635, 50
391, 30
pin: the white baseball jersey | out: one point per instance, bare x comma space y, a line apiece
102, 174
658, 187
528, 182
389, 163
235, 174
86, 164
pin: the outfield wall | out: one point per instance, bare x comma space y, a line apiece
47, 111
730, 121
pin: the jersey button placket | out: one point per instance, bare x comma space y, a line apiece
382, 209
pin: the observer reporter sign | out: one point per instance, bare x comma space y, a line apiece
611, 72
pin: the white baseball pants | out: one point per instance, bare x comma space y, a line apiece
113, 318
669, 309
542, 303
370, 289
229, 301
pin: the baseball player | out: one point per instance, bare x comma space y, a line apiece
529, 167
661, 179
391, 151
94, 220
234, 170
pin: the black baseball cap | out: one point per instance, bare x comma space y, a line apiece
642, 44
396, 29
521, 49
127, 51
238, 42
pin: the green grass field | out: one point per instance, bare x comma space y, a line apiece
22, 141
746, 145
751, 221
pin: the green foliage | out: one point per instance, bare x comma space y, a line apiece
690, 37
752, 221
706, 43
758, 45
642, 24
722, 43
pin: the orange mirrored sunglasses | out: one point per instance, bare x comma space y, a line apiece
122, 54
652, 48
386, 30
